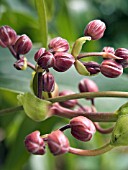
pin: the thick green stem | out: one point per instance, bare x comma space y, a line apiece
89, 95
94, 152
7, 111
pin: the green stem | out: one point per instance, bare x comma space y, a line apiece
4, 112
94, 152
89, 95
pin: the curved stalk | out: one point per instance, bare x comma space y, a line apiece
7, 111
94, 152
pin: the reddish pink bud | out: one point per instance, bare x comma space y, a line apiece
109, 50
82, 128
21, 64
69, 103
95, 29
63, 61
46, 60
23, 44
92, 67
48, 82
110, 68
58, 44
34, 143
8, 36
58, 143
39, 53
87, 85
123, 54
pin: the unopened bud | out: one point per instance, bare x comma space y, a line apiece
48, 82
69, 103
34, 143
123, 54
23, 45
108, 50
63, 61
82, 128
8, 36
58, 44
95, 29
39, 53
21, 64
58, 143
92, 67
46, 60
110, 68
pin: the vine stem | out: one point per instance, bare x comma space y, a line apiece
97, 54
94, 152
89, 95
4, 112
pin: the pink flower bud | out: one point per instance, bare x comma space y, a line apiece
21, 64
34, 143
58, 143
110, 68
63, 61
23, 44
69, 103
58, 44
95, 29
48, 82
82, 128
46, 60
8, 36
109, 50
122, 53
92, 67
39, 53
87, 85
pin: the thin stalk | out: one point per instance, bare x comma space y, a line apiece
94, 152
89, 95
7, 111
31, 65
39, 85
101, 130
65, 127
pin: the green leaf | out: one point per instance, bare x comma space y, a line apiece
81, 69
40, 5
123, 110
34, 107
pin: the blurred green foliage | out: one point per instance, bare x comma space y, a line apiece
66, 18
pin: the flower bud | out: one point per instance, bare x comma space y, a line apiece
34, 143
46, 60
39, 53
8, 36
58, 143
95, 29
21, 64
110, 68
122, 53
23, 44
69, 103
58, 44
109, 50
92, 67
82, 128
87, 85
63, 61
48, 82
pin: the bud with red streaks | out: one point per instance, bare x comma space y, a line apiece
58, 143
110, 68
109, 50
21, 64
39, 53
46, 60
8, 36
34, 143
23, 44
92, 67
63, 61
123, 54
69, 103
58, 44
95, 29
48, 82
82, 128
